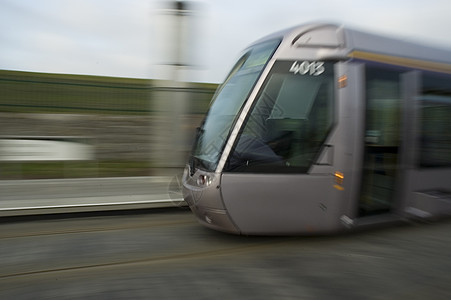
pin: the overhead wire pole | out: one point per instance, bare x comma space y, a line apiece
170, 99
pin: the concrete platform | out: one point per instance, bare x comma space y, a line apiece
31, 197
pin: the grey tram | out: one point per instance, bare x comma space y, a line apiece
320, 128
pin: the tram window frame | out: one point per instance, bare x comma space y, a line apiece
434, 121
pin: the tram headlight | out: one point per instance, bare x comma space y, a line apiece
204, 180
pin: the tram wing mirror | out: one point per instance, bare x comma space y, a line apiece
326, 157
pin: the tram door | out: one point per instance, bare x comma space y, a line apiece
381, 140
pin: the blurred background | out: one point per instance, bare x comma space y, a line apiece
104, 88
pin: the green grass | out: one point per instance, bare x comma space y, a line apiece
62, 93
51, 170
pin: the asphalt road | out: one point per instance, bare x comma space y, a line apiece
166, 254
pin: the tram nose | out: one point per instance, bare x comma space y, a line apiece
202, 192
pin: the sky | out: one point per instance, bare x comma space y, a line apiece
130, 38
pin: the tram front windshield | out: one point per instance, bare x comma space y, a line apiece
227, 103
289, 121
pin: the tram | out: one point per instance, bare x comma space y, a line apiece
321, 128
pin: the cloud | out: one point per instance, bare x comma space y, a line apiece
122, 38
87, 37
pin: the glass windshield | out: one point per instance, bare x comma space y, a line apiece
289, 121
227, 103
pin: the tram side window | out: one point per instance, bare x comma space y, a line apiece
435, 121
383, 108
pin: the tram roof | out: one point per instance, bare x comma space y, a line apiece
348, 43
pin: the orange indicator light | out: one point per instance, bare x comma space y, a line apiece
339, 177
342, 81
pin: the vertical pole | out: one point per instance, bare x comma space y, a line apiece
169, 97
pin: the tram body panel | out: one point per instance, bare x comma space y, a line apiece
309, 203
350, 113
